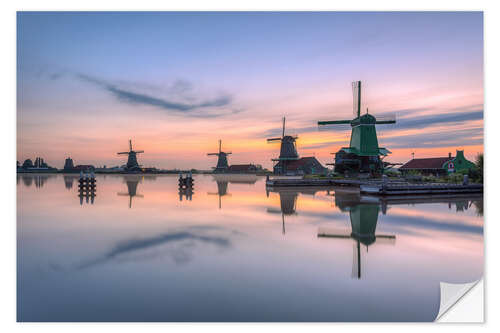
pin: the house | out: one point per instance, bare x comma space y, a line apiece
438, 165
301, 166
84, 168
243, 168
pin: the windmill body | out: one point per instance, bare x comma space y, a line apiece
363, 153
132, 164
222, 164
288, 151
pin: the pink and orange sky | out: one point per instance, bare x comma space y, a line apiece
175, 83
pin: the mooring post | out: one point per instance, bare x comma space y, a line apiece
384, 183
466, 180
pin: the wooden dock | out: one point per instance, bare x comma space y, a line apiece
376, 186
306, 182
401, 189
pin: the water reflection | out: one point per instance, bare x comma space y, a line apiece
172, 262
457, 203
132, 181
180, 245
69, 179
38, 179
363, 219
288, 201
186, 187
223, 180
89, 196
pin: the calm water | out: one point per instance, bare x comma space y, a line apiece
143, 252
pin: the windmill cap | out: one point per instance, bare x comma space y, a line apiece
365, 119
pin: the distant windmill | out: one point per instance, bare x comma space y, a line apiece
288, 150
132, 157
222, 165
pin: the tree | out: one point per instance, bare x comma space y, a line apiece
479, 165
28, 164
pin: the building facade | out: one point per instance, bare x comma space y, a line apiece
438, 166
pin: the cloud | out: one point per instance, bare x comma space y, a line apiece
464, 137
184, 108
184, 240
444, 118
402, 221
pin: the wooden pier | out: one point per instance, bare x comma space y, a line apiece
400, 189
303, 182
377, 187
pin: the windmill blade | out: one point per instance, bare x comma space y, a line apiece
356, 98
273, 139
356, 261
334, 122
123, 153
213, 154
333, 233
283, 133
139, 195
139, 151
386, 239
229, 153
130, 144
273, 210
121, 194
220, 146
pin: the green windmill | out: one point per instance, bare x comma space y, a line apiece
363, 153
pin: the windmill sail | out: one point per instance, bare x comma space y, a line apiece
356, 261
356, 98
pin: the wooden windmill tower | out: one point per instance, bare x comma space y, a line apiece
363, 153
132, 157
288, 151
222, 165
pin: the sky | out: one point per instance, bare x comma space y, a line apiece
177, 82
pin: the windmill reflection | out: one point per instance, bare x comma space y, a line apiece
132, 182
68, 181
223, 180
288, 202
364, 213
363, 217
221, 191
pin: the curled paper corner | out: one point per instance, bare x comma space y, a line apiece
451, 294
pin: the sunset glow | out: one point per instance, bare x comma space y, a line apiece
175, 83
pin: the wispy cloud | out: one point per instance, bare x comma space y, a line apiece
415, 122
193, 234
216, 107
463, 137
438, 119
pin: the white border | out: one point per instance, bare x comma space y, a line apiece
8, 135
